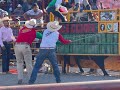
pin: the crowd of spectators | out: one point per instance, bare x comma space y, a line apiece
19, 7
10, 5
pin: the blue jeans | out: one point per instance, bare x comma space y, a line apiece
42, 55
5, 57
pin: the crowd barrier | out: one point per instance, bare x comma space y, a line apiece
94, 85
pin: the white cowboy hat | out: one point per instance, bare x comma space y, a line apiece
6, 19
19, 5
31, 23
53, 26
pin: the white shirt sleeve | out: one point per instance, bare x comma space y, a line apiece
28, 12
81, 1
12, 37
40, 11
58, 3
1, 41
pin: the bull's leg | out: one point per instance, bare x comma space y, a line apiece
92, 71
77, 59
99, 60
66, 61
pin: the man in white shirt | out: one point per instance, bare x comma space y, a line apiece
6, 36
34, 13
47, 50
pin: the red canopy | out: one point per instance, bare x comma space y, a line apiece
112, 4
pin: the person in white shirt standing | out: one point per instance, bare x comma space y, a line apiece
6, 37
34, 13
47, 50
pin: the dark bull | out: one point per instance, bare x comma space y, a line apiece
99, 60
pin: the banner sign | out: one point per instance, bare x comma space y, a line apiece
79, 28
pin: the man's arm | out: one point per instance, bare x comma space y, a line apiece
39, 35
57, 4
14, 12
64, 41
12, 36
38, 16
26, 16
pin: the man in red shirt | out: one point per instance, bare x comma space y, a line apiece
26, 36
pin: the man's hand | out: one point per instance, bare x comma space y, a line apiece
70, 41
57, 9
44, 10
13, 38
3, 48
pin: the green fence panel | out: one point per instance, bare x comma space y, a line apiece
87, 40
103, 43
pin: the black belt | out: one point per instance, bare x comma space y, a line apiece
47, 48
8, 42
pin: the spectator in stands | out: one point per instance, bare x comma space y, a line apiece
6, 37
26, 36
53, 7
16, 26
10, 10
18, 11
40, 4
88, 7
35, 13
76, 7
25, 6
20, 1
77, 4
93, 4
67, 4
101, 5
47, 50
3, 13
